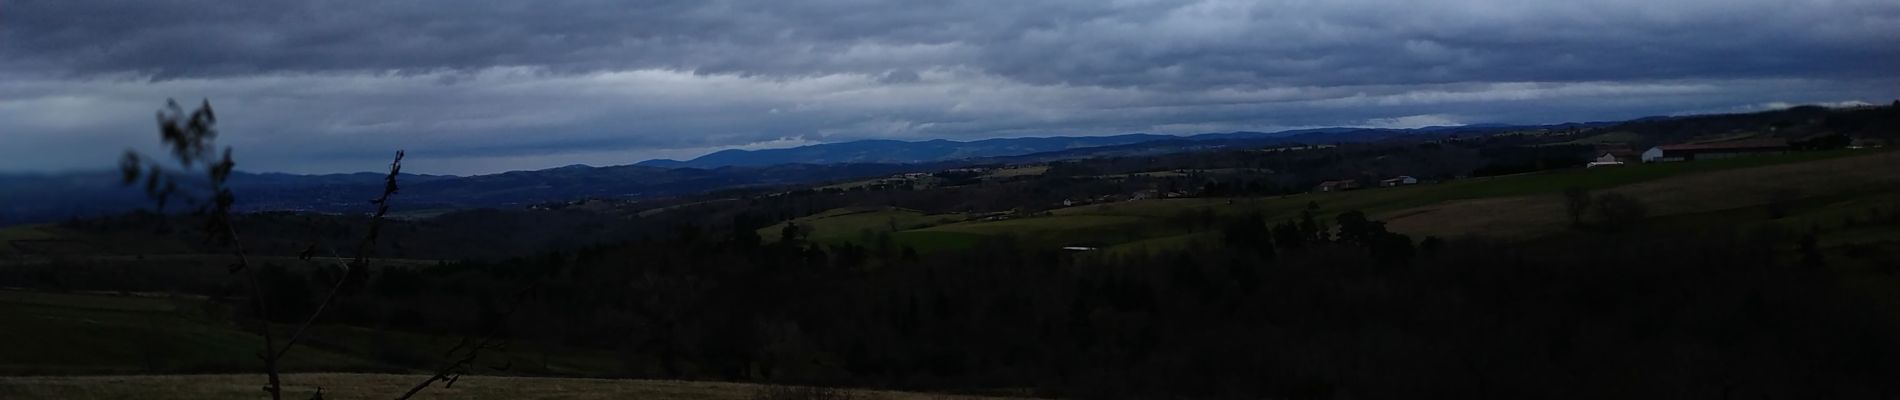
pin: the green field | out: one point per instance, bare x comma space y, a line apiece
1159, 243
1060, 230
1458, 207
90, 334
24, 232
927, 241
66, 333
54, 346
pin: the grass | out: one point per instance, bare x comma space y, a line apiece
1160, 243
1742, 187
85, 334
384, 386
147, 303
1828, 213
420, 350
1026, 225
25, 233
1060, 230
926, 241
57, 336
67, 333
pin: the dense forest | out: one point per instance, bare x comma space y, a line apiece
1304, 308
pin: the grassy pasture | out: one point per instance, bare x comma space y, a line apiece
25, 232
1745, 186
1082, 230
1034, 224
1160, 243
52, 341
105, 302
928, 241
1514, 205
89, 334
67, 333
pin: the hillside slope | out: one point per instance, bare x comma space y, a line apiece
1517, 207
1692, 193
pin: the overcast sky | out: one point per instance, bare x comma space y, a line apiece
477, 86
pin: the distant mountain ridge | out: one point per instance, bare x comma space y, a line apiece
27, 198
884, 151
899, 152
41, 197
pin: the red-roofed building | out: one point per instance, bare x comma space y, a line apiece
1712, 151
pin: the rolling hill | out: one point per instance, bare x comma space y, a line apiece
898, 152
1048, 148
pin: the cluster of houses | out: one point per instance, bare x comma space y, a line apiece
1613, 156
1689, 152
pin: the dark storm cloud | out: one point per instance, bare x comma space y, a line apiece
1113, 43
511, 84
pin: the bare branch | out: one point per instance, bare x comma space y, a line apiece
360, 264
460, 358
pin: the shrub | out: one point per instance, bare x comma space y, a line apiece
1617, 211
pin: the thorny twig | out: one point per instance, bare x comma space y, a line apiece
360, 264
458, 360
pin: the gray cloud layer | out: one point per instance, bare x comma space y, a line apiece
478, 86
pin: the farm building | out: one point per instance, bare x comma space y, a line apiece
1610, 158
1399, 181
1617, 154
1712, 151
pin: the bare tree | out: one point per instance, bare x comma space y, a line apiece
190, 138
1577, 203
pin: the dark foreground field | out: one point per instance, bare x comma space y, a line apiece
384, 386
